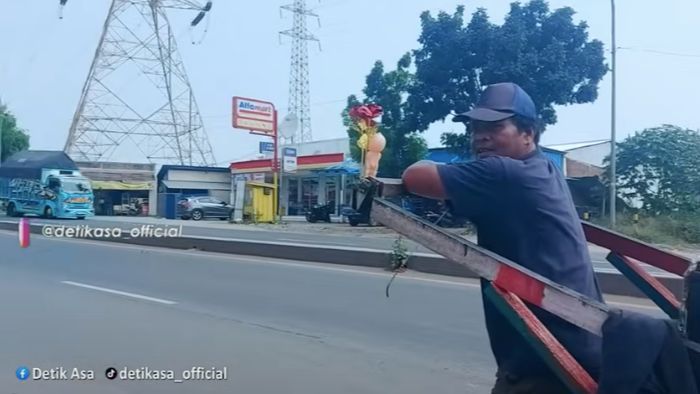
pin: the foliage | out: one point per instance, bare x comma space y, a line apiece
543, 51
660, 166
399, 255
389, 89
676, 229
14, 139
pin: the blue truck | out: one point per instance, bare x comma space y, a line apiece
44, 183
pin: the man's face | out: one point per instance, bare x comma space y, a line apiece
500, 138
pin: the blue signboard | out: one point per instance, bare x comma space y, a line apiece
267, 147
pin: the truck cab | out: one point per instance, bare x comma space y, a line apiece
45, 183
73, 195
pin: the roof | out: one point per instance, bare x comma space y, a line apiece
29, 163
168, 167
445, 155
349, 166
196, 185
40, 159
576, 145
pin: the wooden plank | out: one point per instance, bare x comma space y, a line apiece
649, 285
571, 306
637, 250
545, 344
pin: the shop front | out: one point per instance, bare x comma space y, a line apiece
318, 179
121, 188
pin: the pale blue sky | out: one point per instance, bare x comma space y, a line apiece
45, 61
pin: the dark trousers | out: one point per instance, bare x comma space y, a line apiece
509, 384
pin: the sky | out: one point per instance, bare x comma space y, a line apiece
45, 60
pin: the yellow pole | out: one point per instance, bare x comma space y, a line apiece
275, 195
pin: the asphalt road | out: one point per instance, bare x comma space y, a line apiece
277, 326
223, 230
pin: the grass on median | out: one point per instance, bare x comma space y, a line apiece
677, 230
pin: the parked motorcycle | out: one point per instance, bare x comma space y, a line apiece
320, 212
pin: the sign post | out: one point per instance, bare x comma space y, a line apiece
290, 159
260, 117
275, 174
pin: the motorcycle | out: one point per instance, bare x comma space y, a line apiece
320, 212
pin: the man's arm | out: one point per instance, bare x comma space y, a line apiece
422, 179
470, 187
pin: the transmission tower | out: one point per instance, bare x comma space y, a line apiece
299, 70
137, 101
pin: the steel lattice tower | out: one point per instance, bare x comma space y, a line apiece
137, 101
299, 71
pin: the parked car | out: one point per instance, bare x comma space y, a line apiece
198, 208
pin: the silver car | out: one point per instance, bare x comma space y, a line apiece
198, 208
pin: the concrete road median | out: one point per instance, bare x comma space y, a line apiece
611, 282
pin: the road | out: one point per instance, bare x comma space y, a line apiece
278, 326
220, 229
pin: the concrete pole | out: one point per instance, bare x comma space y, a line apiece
613, 150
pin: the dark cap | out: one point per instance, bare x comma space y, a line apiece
500, 101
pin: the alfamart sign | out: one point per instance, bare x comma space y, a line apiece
254, 115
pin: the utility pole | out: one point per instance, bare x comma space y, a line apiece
613, 150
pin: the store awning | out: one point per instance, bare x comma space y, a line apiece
118, 185
342, 168
192, 185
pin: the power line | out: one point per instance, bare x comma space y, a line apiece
659, 52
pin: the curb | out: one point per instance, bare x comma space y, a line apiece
611, 282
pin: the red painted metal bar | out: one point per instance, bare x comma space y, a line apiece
649, 285
569, 305
552, 352
637, 250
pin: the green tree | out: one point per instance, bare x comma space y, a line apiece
543, 51
390, 89
14, 139
660, 167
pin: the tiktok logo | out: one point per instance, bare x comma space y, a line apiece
111, 373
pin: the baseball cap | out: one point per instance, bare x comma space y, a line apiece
500, 101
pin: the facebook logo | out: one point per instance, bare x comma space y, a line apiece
22, 373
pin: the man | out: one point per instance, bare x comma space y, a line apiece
523, 210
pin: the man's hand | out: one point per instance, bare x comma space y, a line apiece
423, 179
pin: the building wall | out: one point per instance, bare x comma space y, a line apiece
557, 158
337, 145
594, 154
198, 176
578, 169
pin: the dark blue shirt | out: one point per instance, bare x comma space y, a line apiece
523, 211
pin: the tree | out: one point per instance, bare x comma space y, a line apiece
542, 51
14, 139
659, 166
390, 89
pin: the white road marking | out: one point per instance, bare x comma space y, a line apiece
318, 266
122, 293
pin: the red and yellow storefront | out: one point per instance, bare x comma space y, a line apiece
318, 179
